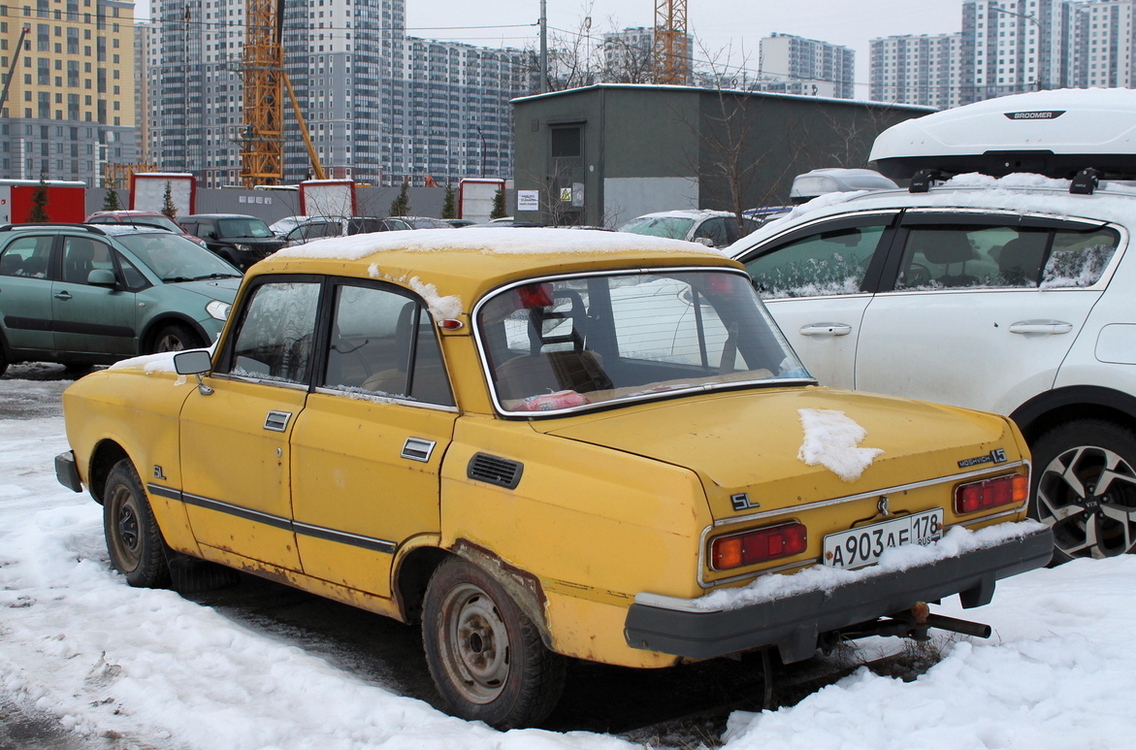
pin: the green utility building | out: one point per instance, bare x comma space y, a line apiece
604, 154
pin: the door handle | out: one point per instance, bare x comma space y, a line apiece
826, 329
1041, 326
63, 296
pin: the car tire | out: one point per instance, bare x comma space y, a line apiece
3, 360
175, 337
486, 657
1084, 488
133, 540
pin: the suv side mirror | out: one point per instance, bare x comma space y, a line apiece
102, 277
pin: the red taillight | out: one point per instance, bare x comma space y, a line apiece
991, 493
758, 546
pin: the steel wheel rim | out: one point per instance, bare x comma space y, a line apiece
475, 644
126, 529
1087, 495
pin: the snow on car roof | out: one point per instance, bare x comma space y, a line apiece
490, 241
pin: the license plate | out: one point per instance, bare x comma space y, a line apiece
856, 548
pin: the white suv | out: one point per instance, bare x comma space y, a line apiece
1011, 295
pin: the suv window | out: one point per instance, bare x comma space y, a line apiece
823, 263
384, 344
274, 339
82, 255
27, 256
941, 256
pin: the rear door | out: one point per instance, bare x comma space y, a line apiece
980, 309
25, 291
817, 282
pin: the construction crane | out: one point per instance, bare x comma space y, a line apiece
671, 52
262, 154
12, 69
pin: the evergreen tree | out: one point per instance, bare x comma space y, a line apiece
498, 211
110, 200
168, 207
39, 202
400, 206
450, 204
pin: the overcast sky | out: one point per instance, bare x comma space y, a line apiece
724, 28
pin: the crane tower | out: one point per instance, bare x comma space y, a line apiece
262, 152
671, 52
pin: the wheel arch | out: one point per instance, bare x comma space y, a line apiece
106, 454
416, 568
1047, 410
154, 325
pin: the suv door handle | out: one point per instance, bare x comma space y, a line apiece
1041, 326
826, 329
63, 296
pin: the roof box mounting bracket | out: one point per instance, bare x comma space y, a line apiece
1085, 181
922, 180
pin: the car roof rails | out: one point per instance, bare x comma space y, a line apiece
42, 224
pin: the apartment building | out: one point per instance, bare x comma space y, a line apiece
70, 106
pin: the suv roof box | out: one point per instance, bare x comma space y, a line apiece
1054, 133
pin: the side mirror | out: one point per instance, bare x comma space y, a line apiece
192, 362
102, 277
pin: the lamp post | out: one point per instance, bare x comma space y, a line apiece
1038, 85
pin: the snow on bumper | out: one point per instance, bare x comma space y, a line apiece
793, 622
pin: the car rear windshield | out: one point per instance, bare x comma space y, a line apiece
575, 342
676, 228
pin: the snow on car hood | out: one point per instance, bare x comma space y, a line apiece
799, 445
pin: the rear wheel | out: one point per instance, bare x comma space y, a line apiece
1085, 489
175, 337
486, 657
134, 542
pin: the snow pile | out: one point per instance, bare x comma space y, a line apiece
832, 439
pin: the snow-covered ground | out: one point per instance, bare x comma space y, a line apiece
110, 661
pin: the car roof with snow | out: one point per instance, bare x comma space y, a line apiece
470, 262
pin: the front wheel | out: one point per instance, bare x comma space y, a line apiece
175, 337
1085, 489
134, 542
485, 656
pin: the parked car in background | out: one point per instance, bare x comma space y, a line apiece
544, 445
712, 228
142, 219
82, 294
238, 238
426, 222
281, 227
459, 223
1010, 295
313, 228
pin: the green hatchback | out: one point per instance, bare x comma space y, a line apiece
83, 295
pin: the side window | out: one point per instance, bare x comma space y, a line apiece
384, 344
823, 264
82, 255
274, 340
715, 231
27, 256
133, 278
1079, 258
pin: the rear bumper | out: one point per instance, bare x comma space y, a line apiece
794, 623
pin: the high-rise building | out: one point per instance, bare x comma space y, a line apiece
808, 66
70, 108
380, 106
924, 69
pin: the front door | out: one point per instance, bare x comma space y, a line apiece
235, 453
90, 318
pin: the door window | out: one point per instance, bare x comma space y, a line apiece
275, 338
825, 263
27, 256
82, 255
384, 344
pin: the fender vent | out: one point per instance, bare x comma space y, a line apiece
495, 470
